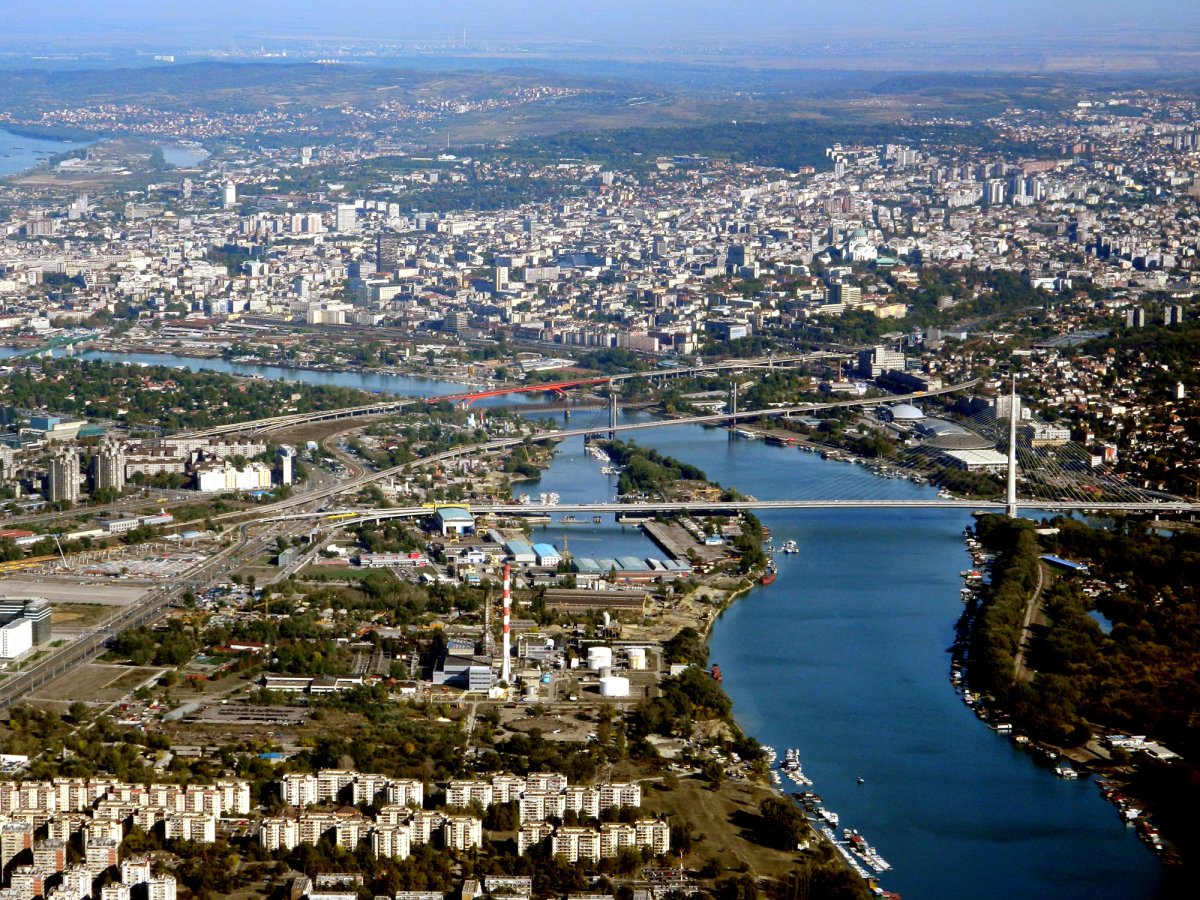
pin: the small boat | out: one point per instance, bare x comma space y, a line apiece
768, 577
790, 547
571, 520
861, 780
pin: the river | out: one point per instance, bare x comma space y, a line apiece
19, 152
363, 380
844, 657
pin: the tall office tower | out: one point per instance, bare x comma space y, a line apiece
286, 458
109, 465
387, 252
64, 475
38, 611
229, 195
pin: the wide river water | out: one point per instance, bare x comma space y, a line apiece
844, 658
19, 152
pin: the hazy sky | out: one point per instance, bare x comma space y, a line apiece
190, 23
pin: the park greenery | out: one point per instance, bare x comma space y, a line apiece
1136, 679
646, 471
786, 144
160, 397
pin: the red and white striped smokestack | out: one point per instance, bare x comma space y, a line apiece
504, 671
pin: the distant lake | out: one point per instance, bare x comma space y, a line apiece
183, 155
19, 152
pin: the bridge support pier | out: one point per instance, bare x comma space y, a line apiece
612, 411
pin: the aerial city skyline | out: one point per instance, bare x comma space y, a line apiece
563, 451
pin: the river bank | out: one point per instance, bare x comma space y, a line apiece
844, 657
1004, 688
198, 357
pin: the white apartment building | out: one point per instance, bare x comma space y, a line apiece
406, 792
583, 800
575, 844
391, 841
532, 834
464, 793
278, 834
507, 788
537, 806
619, 794
462, 832
298, 789
546, 781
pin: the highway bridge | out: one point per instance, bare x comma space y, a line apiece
650, 508
396, 404
545, 436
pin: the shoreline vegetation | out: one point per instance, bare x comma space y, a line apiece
1119, 702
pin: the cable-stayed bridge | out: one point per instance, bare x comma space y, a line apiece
1050, 474
1057, 474
348, 516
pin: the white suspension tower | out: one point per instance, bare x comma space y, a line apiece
504, 647
1013, 412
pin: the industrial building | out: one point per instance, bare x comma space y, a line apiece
464, 670
454, 520
521, 552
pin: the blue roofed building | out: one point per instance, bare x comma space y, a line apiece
520, 551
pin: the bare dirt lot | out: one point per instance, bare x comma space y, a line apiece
97, 683
72, 618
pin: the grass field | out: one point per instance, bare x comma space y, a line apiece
723, 824
79, 616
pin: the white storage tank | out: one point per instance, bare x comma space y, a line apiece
614, 686
637, 657
599, 658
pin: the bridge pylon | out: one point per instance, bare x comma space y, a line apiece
612, 411
1014, 409
733, 406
